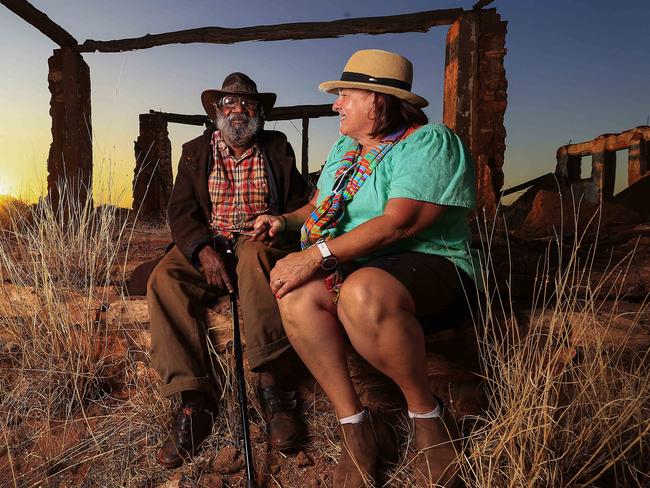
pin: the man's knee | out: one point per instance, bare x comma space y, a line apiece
254, 257
165, 279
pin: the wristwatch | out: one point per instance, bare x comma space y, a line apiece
329, 261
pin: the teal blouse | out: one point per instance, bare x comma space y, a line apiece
432, 165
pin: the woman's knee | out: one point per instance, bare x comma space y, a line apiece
369, 295
295, 306
299, 307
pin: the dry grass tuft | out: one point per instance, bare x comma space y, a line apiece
566, 408
81, 404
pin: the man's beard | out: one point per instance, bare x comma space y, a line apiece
238, 135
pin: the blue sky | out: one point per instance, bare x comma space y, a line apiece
575, 69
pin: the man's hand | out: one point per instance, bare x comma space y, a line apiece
267, 227
214, 269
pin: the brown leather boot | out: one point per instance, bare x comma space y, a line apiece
362, 445
284, 425
193, 424
436, 461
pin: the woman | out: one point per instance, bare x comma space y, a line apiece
385, 242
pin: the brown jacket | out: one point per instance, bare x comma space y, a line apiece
190, 209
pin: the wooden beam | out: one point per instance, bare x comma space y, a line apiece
301, 112
416, 22
523, 186
278, 113
183, 118
42, 22
481, 3
305, 147
613, 142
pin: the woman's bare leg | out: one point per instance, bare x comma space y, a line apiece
309, 318
378, 314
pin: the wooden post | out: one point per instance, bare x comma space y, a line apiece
152, 180
637, 162
568, 167
305, 147
603, 172
71, 155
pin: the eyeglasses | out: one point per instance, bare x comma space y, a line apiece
341, 181
230, 101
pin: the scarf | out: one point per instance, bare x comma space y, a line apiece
348, 179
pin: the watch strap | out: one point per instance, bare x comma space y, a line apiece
324, 250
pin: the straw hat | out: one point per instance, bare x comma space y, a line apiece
236, 84
379, 71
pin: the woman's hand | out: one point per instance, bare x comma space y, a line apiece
267, 227
294, 270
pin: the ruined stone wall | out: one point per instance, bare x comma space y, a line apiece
153, 179
492, 94
476, 96
70, 157
599, 187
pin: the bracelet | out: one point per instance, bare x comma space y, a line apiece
284, 222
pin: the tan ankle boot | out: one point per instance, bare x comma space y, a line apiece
361, 447
436, 462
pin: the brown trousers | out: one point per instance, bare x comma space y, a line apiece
175, 292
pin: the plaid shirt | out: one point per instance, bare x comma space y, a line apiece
239, 189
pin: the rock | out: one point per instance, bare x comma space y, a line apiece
635, 196
210, 481
145, 373
228, 461
19, 301
141, 339
58, 439
173, 482
551, 213
218, 320
133, 311
9, 342
303, 459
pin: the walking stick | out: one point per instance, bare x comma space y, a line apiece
251, 481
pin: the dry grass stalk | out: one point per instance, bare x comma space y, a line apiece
565, 408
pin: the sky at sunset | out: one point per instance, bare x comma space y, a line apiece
575, 69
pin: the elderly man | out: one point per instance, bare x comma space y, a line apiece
226, 178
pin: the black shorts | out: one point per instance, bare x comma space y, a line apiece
443, 294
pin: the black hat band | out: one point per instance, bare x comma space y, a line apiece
363, 78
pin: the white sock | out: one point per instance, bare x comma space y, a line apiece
436, 412
357, 418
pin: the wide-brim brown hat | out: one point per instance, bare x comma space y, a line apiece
379, 71
236, 84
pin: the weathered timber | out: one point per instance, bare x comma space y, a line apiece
524, 185
183, 118
600, 186
475, 97
42, 22
416, 22
305, 147
613, 142
70, 160
153, 180
481, 3
278, 113
301, 112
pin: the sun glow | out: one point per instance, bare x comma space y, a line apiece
4, 188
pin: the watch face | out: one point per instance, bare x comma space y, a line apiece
329, 263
